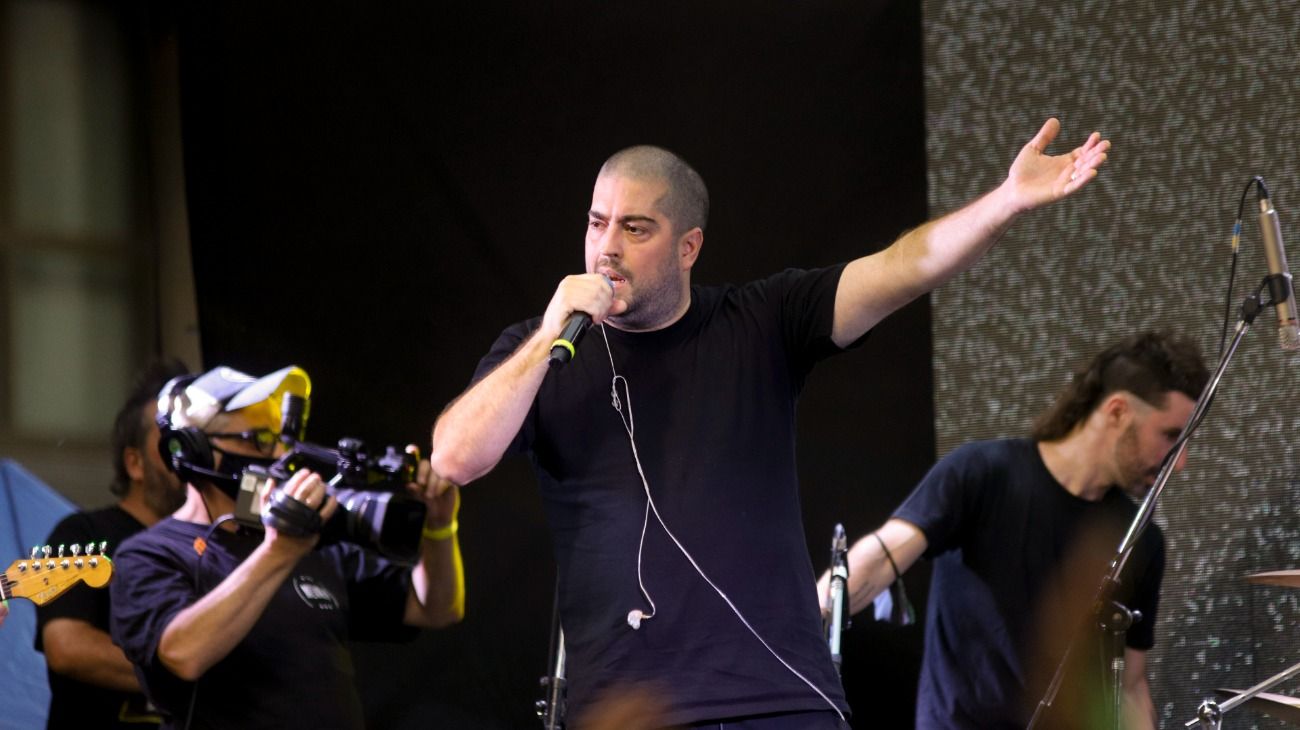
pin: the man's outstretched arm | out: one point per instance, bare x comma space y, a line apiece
874, 286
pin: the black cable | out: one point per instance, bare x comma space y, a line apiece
1190, 428
1232, 276
199, 593
1236, 246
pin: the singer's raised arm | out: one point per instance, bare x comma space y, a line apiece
874, 286
474, 431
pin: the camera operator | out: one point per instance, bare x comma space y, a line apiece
241, 628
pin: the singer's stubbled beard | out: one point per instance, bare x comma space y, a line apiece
652, 297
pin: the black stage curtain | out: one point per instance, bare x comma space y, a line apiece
376, 189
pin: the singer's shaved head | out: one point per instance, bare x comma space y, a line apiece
1149, 365
686, 203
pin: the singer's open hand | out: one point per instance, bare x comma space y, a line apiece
1037, 178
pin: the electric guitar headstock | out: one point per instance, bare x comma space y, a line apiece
45, 576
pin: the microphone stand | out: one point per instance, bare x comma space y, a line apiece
837, 589
1102, 601
551, 708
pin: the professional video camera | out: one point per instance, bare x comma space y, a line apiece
375, 509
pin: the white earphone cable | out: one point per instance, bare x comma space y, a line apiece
629, 425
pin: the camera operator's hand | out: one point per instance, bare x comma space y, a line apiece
437, 596
440, 496
308, 488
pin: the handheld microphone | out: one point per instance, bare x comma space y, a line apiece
565, 346
1279, 274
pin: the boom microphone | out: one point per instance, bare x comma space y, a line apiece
1279, 279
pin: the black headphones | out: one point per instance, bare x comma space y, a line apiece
184, 450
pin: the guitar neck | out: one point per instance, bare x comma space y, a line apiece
45, 578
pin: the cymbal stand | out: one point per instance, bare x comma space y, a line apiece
1210, 714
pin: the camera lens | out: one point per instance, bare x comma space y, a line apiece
389, 522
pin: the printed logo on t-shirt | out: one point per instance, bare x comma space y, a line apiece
314, 594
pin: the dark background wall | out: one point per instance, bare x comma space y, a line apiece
376, 190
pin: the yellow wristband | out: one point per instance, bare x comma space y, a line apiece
442, 533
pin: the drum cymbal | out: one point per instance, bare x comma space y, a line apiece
1277, 706
1288, 578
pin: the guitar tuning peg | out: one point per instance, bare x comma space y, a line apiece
76, 549
103, 547
46, 551
60, 550
36, 551
90, 548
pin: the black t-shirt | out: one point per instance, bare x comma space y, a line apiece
293, 669
76, 704
1000, 529
712, 401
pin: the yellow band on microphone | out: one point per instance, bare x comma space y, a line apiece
566, 345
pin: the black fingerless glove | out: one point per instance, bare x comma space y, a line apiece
290, 517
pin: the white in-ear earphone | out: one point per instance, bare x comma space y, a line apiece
634, 618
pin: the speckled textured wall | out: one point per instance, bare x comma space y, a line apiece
1197, 96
